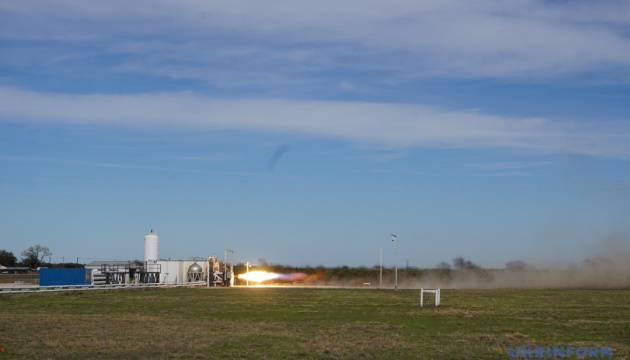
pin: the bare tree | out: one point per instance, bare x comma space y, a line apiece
516, 265
459, 263
34, 255
443, 266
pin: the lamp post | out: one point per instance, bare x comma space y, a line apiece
229, 269
395, 240
247, 280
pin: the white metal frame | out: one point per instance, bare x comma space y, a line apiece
432, 291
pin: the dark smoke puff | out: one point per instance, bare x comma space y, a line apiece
277, 155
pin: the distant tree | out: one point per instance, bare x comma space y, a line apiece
34, 255
459, 263
30, 261
598, 261
443, 266
67, 265
7, 258
516, 265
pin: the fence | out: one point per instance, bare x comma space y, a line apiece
59, 288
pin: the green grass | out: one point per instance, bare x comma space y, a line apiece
291, 323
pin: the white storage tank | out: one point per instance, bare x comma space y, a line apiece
151, 247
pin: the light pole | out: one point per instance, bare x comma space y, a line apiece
395, 240
247, 280
229, 269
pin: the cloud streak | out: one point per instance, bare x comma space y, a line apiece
376, 124
187, 39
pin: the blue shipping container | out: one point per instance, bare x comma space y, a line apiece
62, 276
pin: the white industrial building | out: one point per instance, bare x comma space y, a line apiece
156, 270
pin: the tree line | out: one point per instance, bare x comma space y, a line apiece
33, 257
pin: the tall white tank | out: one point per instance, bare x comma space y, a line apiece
151, 247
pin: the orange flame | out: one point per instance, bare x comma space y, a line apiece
258, 276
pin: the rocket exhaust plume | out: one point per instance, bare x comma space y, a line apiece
260, 276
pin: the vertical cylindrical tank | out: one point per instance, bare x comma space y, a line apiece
151, 247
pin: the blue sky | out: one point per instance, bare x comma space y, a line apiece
491, 130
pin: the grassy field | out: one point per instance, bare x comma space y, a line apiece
27, 279
292, 323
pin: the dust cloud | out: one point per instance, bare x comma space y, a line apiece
610, 270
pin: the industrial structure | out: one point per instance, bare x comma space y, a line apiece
211, 270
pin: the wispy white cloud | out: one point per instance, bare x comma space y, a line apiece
209, 158
62, 161
385, 156
387, 125
488, 38
512, 165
